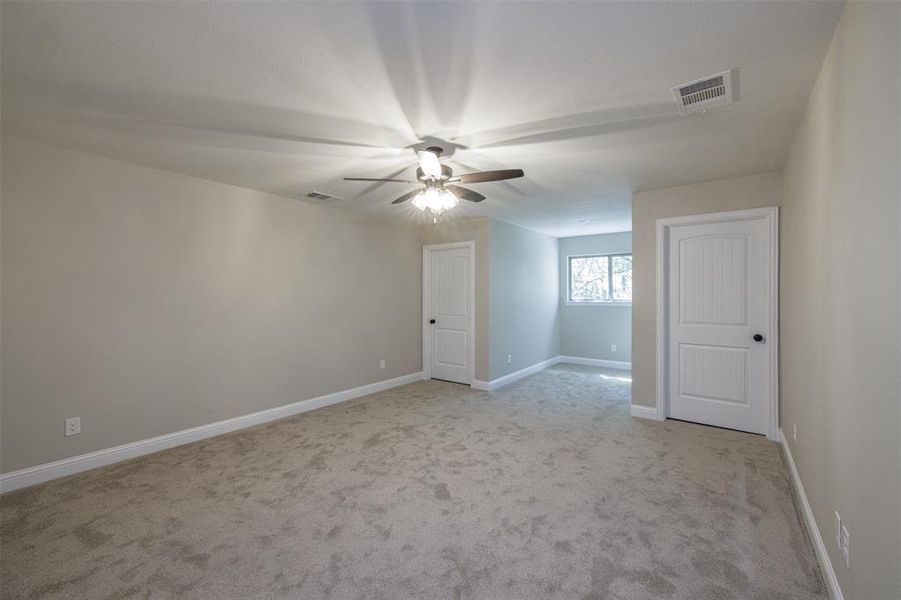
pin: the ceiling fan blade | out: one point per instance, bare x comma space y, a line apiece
377, 184
464, 194
428, 162
407, 196
380, 179
483, 176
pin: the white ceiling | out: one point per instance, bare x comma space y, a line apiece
291, 97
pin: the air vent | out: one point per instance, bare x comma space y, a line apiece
709, 92
320, 196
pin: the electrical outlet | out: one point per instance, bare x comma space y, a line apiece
838, 530
382, 365
846, 547
795, 434
73, 426
612, 347
509, 359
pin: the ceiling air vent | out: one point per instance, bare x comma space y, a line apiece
709, 92
320, 196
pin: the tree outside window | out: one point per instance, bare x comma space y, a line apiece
600, 278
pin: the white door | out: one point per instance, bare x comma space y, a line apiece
450, 314
719, 314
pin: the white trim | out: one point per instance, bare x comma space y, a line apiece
490, 386
819, 548
84, 462
774, 434
595, 362
483, 386
592, 304
661, 322
643, 412
608, 255
771, 214
426, 330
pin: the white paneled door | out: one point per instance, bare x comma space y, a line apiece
449, 315
719, 319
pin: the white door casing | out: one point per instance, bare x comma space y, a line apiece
448, 301
719, 291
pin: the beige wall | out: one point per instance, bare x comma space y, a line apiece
147, 302
463, 230
841, 314
752, 191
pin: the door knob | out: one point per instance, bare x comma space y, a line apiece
431, 321
758, 337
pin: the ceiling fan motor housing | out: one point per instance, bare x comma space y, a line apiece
446, 173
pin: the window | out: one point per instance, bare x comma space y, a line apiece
600, 279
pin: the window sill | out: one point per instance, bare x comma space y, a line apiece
597, 304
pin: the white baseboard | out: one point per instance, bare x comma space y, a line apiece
490, 386
643, 412
596, 362
835, 592
84, 462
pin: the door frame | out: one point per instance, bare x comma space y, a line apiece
771, 215
426, 308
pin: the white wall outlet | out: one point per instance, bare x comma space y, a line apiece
612, 347
509, 359
838, 530
73, 426
382, 365
846, 547
795, 435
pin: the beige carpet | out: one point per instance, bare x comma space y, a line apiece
546, 489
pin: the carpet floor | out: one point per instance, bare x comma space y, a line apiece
545, 489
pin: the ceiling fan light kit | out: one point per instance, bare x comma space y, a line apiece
439, 194
435, 200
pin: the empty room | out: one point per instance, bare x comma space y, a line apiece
440, 299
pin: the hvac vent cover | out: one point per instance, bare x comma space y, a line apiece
320, 196
709, 92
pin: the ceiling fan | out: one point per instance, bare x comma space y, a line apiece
440, 192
